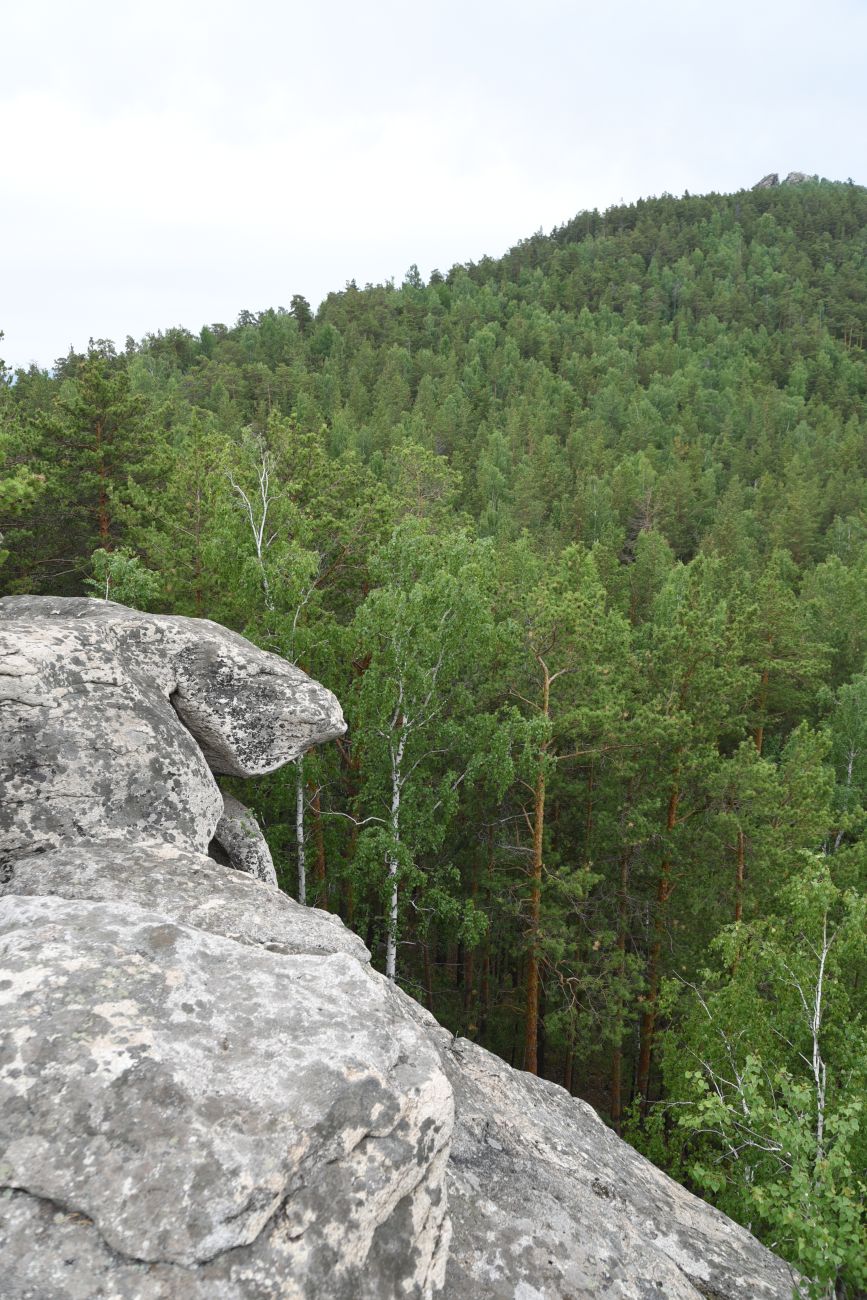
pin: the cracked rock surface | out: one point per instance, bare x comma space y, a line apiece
199, 1100
206, 1093
548, 1201
112, 722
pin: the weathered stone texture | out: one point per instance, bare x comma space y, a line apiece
239, 836
192, 1096
547, 1201
188, 888
113, 721
205, 1091
798, 178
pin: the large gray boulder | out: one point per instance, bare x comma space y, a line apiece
238, 838
213, 1106
188, 888
114, 721
206, 1093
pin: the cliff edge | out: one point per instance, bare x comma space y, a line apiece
206, 1093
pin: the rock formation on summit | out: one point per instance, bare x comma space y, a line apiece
206, 1093
772, 180
798, 178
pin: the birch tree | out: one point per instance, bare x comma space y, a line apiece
769, 1073
425, 632
257, 500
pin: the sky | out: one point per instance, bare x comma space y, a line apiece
175, 163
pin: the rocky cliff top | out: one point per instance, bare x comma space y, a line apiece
772, 179
206, 1093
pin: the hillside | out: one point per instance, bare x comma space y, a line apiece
579, 538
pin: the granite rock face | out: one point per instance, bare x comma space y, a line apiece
217, 1107
190, 889
205, 1091
238, 837
768, 182
547, 1201
114, 721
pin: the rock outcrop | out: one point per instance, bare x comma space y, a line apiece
206, 1093
772, 180
114, 722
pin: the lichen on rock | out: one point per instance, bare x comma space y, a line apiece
206, 1092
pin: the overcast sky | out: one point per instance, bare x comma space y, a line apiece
173, 163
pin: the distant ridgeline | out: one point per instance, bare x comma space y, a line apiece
578, 536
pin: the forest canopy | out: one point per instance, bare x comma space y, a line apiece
579, 538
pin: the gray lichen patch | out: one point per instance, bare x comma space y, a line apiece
113, 721
223, 1083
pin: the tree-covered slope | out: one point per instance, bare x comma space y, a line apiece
579, 537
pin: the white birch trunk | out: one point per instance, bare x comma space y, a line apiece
850, 765
258, 525
392, 862
819, 1069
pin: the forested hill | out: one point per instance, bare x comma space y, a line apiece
579, 538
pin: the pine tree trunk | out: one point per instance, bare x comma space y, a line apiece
651, 1001
198, 598
617, 1090
485, 989
103, 516
299, 830
616, 1104
759, 733
319, 847
739, 876
541, 1035
351, 764
531, 1041
428, 976
349, 903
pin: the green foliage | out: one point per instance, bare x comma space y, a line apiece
579, 538
425, 631
19, 491
768, 1074
848, 727
121, 576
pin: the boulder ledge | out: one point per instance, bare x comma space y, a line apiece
206, 1093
